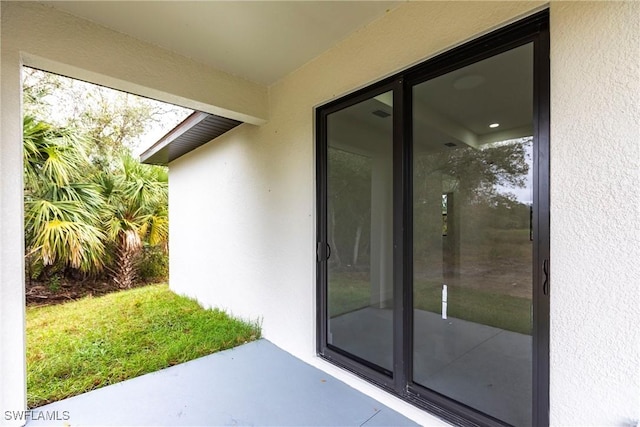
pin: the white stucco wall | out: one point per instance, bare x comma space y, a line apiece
595, 213
12, 307
248, 246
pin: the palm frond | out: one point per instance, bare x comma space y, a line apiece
78, 244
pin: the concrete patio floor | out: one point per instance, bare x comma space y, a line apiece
253, 384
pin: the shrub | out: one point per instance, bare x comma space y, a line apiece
154, 265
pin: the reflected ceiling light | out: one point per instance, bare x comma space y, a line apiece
494, 125
471, 81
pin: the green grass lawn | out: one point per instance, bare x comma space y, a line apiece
93, 342
347, 293
501, 311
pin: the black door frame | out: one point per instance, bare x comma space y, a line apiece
534, 29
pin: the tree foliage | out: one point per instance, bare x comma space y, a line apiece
476, 173
61, 212
480, 178
90, 206
136, 214
349, 207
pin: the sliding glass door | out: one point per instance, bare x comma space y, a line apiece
432, 252
359, 231
472, 234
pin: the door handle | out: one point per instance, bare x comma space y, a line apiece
545, 271
319, 253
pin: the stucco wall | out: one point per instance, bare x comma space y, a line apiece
249, 245
595, 213
12, 333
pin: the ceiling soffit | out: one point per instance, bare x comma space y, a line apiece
258, 41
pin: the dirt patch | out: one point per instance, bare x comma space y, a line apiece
39, 293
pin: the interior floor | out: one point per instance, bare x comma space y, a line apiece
487, 368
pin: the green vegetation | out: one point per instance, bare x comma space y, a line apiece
90, 343
501, 311
349, 293
154, 265
91, 209
84, 217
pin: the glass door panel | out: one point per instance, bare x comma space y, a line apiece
359, 231
472, 235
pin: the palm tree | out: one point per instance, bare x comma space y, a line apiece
61, 213
136, 214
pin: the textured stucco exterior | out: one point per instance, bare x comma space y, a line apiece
595, 213
243, 207
12, 305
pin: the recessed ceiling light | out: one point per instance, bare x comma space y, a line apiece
468, 82
494, 125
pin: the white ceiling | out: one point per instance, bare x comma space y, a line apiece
444, 112
262, 41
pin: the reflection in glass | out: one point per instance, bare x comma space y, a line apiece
359, 231
472, 204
